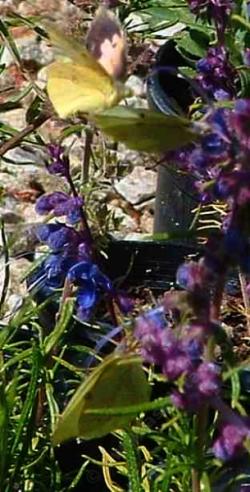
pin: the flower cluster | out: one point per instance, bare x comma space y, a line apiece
216, 10
216, 75
220, 166
58, 161
71, 259
230, 442
179, 354
60, 204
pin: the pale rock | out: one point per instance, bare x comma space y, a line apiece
147, 222
138, 186
14, 118
137, 85
127, 224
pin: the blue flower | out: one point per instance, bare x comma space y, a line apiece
56, 266
58, 236
58, 162
230, 443
216, 75
60, 204
90, 281
240, 120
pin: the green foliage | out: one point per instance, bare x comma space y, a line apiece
158, 447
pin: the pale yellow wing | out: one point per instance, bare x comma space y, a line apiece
74, 50
73, 88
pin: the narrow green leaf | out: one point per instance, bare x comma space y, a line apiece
9, 105
24, 354
35, 109
52, 339
130, 448
11, 391
9, 41
29, 400
4, 421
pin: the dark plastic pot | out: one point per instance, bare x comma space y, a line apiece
166, 92
171, 95
149, 264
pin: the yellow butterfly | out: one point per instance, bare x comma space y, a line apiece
85, 80
118, 381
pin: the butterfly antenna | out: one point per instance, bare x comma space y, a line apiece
102, 342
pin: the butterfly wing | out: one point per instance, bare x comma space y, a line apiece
146, 130
73, 50
79, 82
118, 381
73, 87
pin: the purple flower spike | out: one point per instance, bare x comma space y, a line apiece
90, 281
177, 360
57, 236
47, 203
217, 10
230, 442
246, 57
190, 400
60, 204
149, 329
216, 75
58, 161
241, 121
208, 379
191, 275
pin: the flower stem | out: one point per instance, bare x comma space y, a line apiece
83, 215
87, 155
195, 481
245, 298
202, 415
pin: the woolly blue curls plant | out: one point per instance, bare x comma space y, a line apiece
180, 335
70, 264
219, 163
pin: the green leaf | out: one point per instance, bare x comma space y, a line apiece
8, 106
29, 400
132, 460
4, 422
118, 381
161, 16
66, 315
35, 109
194, 42
146, 130
11, 390
9, 41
